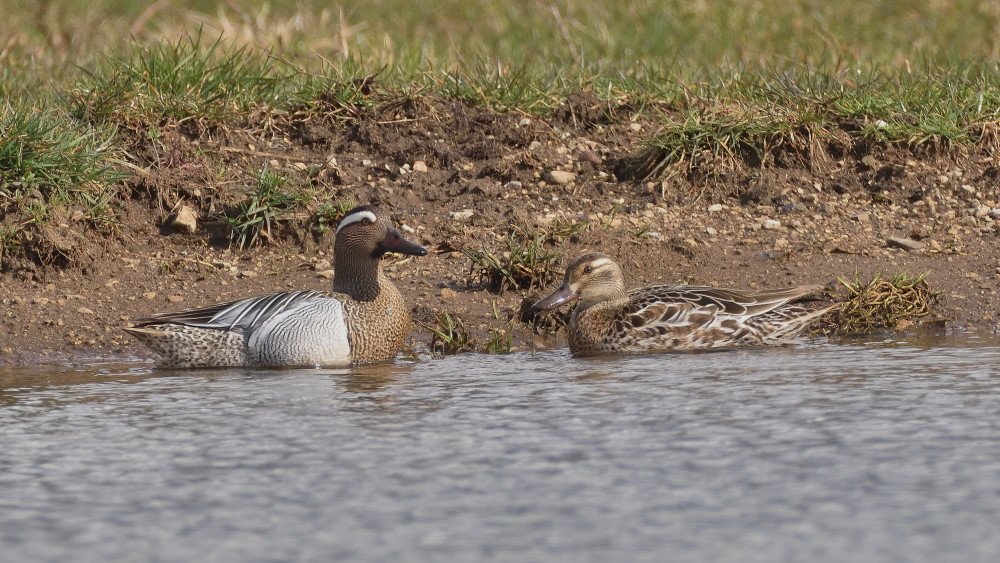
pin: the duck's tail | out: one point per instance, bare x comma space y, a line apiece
182, 346
785, 323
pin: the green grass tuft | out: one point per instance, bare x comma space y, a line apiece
449, 336
48, 160
328, 214
180, 80
562, 229
523, 264
499, 342
10, 240
737, 118
260, 212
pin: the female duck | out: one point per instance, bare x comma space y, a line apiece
363, 321
610, 319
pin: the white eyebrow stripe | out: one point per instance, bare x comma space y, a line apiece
354, 218
601, 262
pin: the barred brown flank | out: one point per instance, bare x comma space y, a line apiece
609, 319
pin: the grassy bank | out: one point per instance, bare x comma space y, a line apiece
734, 85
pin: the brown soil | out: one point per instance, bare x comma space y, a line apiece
807, 214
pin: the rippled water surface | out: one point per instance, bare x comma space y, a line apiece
834, 452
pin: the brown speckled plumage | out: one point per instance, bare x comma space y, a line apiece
609, 319
387, 320
363, 321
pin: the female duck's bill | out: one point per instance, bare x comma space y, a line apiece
561, 295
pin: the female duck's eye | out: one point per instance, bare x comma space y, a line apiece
588, 269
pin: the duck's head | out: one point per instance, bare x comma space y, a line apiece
594, 278
367, 231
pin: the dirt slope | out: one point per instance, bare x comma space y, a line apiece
459, 177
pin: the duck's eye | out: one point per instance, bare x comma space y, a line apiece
366, 221
588, 269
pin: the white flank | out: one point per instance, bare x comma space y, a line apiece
354, 218
314, 333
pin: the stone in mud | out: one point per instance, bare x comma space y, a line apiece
909, 245
591, 157
561, 176
185, 220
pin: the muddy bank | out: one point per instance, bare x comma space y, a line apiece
458, 177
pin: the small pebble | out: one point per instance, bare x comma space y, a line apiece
561, 176
463, 215
185, 220
591, 157
909, 245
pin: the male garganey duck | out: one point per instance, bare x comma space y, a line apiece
609, 319
363, 321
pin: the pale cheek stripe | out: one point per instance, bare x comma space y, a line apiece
600, 264
359, 216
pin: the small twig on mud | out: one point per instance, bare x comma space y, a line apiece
263, 154
407, 120
201, 262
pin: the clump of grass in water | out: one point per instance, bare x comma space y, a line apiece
499, 342
524, 264
894, 302
257, 215
449, 336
